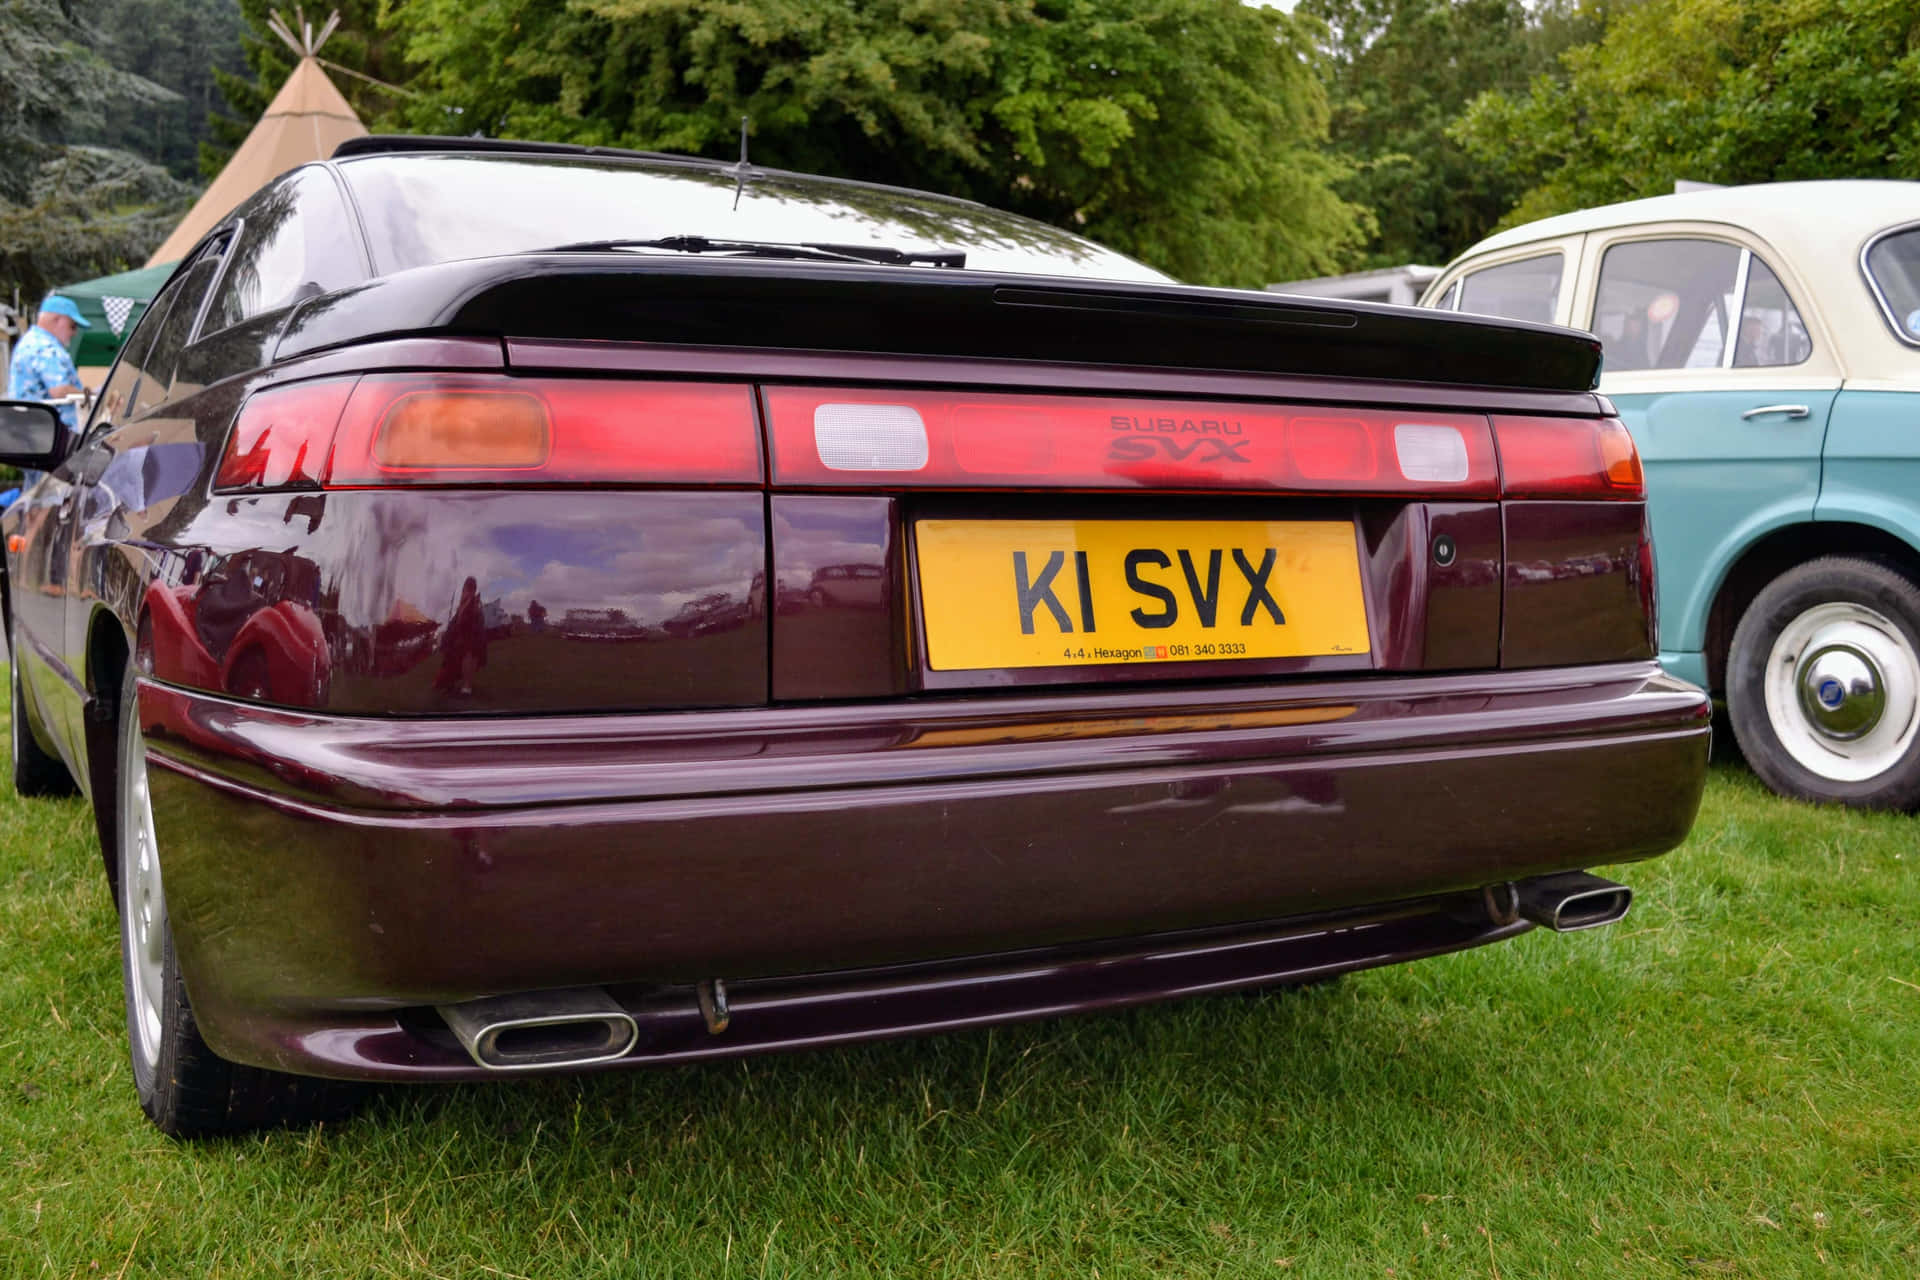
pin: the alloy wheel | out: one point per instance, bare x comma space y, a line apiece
143, 916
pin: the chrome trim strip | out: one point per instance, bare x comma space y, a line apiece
1736, 313
1873, 285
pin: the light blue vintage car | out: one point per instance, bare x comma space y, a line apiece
1763, 346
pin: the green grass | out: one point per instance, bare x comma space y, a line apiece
1727, 1084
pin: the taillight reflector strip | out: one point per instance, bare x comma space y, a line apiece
1580, 458
489, 429
934, 439
870, 437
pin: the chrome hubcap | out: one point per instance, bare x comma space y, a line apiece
1843, 691
143, 918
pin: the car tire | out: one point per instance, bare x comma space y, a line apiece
1823, 684
36, 771
185, 1088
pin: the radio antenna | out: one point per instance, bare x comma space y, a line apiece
741, 169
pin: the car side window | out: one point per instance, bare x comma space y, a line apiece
1666, 304
115, 401
1672, 304
295, 243
1525, 290
170, 335
1771, 331
1892, 264
1450, 300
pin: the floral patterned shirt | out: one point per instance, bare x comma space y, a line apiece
41, 363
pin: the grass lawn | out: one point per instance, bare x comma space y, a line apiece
1726, 1084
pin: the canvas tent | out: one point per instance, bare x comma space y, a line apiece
305, 121
112, 305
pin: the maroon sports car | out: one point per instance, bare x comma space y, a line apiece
522, 608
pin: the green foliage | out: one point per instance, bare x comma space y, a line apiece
1186, 132
70, 211
1400, 73
358, 44
179, 44
1715, 90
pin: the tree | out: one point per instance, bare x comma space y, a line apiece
1724, 91
1400, 74
358, 44
70, 210
178, 44
1186, 132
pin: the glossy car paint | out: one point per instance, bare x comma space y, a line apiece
451, 619
382, 778
759, 843
1870, 467
1716, 485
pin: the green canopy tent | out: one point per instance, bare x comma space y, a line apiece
112, 305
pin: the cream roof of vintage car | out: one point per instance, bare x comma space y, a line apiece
1827, 214
1817, 229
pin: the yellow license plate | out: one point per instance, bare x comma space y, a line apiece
1055, 593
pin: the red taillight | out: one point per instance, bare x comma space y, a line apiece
915, 439
283, 436
463, 429
1568, 458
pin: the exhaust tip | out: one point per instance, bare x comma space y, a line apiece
542, 1030
1573, 900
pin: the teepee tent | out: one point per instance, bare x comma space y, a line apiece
305, 121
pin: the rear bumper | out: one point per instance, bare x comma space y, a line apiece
326, 875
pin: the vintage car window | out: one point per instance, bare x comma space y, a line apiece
1450, 300
295, 242
1893, 269
1525, 290
422, 209
170, 335
1666, 304
1771, 331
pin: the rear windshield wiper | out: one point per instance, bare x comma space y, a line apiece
770, 249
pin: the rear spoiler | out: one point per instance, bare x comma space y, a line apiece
925, 312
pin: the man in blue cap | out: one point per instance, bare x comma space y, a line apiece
42, 369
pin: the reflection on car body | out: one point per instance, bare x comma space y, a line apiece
489, 657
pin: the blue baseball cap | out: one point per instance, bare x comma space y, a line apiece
64, 306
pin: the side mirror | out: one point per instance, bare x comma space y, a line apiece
31, 435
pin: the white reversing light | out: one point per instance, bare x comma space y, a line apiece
871, 437
1430, 453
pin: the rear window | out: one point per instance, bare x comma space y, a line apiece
1525, 290
422, 209
1893, 268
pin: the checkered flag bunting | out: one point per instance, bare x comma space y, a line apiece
118, 310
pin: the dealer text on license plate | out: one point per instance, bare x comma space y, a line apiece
1049, 593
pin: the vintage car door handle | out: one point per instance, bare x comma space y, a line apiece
1787, 410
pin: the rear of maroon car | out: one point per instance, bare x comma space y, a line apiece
656, 701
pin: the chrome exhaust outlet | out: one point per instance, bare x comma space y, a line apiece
1573, 900
537, 1030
